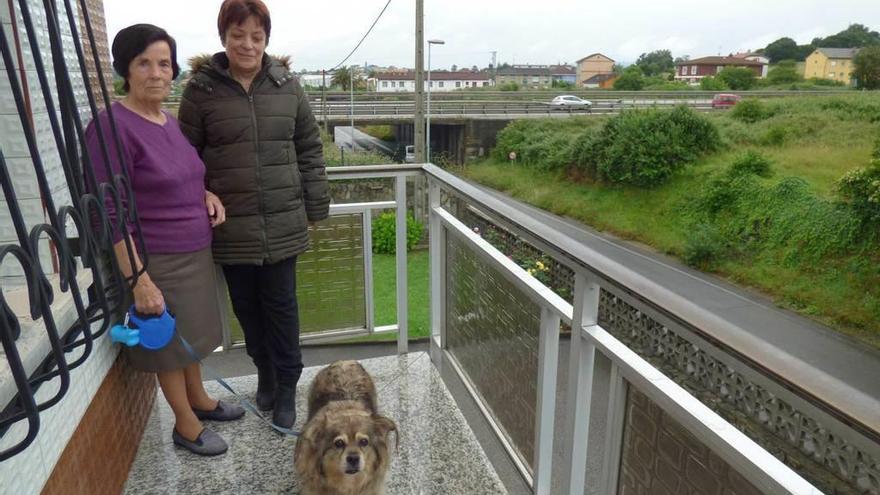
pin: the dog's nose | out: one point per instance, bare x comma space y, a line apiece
352, 459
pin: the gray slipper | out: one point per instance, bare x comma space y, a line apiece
223, 412
207, 443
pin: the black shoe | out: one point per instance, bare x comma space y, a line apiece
284, 414
265, 398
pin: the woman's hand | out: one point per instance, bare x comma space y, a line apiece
148, 298
216, 211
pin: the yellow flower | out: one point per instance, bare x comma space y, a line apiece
540, 265
531, 271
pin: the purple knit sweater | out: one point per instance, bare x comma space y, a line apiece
167, 177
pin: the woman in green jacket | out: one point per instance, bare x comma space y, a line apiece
250, 120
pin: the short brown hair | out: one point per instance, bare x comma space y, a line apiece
237, 11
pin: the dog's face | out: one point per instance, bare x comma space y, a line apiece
346, 448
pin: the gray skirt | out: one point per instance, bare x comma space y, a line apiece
189, 286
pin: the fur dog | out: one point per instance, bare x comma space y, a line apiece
343, 448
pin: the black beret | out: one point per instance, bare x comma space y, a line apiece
134, 40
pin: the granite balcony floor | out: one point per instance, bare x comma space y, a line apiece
438, 452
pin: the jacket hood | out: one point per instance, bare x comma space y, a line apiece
205, 60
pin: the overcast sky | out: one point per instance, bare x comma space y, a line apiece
319, 34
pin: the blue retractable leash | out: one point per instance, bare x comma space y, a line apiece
156, 331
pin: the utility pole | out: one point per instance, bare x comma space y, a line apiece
494, 68
420, 82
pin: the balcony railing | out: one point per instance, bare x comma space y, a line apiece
494, 324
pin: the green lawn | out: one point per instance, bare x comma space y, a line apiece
385, 283
385, 293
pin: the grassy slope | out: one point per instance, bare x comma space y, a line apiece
820, 147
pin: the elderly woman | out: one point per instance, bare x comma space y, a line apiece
249, 119
176, 216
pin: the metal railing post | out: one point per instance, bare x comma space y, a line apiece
548, 359
402, 318
369, 295
581, 365
437, 254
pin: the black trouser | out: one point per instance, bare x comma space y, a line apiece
264, 301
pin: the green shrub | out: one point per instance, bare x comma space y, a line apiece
860, 190
786, 216
853, 108
703, 244
749, 110
737, 78
711, 83
541, 144
721, 195
645, 147
776, 135
509, 86
825, 82
751, 163
784, 72
632, 79
385, 229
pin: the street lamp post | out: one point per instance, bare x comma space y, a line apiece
428, 116
351, 102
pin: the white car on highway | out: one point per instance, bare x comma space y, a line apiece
573, 102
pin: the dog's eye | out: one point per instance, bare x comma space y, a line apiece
363, 442
339, 444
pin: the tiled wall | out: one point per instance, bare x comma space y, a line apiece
12, 139
99, 455
660, 457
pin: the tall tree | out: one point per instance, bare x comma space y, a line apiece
854, 36
343, 77
782, 49
867, 67
656, 62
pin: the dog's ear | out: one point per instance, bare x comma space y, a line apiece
385, 425
306, 454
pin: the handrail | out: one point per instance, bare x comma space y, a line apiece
832, 395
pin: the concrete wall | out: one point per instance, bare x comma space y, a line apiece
457, 142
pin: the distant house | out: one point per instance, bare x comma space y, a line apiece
535, 76
835, 64
397, 82
757, 57
315, 79
592, 65
563, 73
601, 81
691, 71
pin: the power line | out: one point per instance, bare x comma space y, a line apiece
362, 39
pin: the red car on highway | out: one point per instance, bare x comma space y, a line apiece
725, 100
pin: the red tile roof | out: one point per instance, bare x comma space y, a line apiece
435, 76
